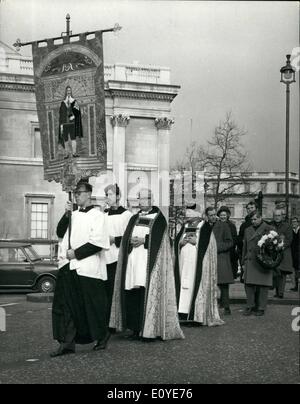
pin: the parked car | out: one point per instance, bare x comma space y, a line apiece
22, 268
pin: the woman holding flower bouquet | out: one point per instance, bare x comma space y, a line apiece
258, 279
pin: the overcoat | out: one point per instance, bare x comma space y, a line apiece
224, 241
286, 232
254, 273
296, 252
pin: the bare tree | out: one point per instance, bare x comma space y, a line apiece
4, 230
193, 159
226, 162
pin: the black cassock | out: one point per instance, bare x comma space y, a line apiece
79, 311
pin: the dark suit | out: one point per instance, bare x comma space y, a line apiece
247, 223
233, 251
286, 265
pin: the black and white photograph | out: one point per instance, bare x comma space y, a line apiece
149, 195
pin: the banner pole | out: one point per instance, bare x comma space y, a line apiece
18, 44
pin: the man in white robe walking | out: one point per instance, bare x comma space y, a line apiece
144, 298
117, 219
79, 312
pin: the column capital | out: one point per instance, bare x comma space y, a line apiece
119, 120
164, 123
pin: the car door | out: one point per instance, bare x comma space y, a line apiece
15, 268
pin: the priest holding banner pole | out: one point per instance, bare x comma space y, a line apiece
79, 312
73, 70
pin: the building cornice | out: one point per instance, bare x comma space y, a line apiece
265, 195
21, 87
26, 161
137, 90
31, 195
149, 87
136, 93
140, 95
278, 176
21, 161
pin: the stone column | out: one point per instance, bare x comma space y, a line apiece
119, 123
163, 126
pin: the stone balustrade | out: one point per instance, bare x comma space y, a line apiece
12, 63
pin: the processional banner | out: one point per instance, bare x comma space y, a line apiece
70, 99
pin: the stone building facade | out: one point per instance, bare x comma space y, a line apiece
271, 184
138, 126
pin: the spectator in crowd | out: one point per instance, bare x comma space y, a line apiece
295, 247
285, 267
257, 280
224, 241
224, 215
250, 208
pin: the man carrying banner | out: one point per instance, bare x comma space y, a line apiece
79, 310
144, 298
117, 221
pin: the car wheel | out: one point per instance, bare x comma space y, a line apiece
46, 285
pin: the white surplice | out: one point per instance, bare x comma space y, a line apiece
116, 225
136, 271
187, 269
87, 227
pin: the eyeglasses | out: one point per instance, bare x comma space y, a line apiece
79, 192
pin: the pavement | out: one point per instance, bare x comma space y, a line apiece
248, 350
237, 295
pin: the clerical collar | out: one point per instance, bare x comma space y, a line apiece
111, 211
87, 209
152, 210
193, 221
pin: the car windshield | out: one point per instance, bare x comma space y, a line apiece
32, 254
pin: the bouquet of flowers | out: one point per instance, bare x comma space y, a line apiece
270, 250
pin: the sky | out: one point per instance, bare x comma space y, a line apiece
226, 56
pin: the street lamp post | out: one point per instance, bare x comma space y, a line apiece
287, 77
205, 186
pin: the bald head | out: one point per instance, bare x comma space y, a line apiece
145, 198
278, 216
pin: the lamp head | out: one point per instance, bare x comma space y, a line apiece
287, 72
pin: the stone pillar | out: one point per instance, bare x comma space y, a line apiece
119, 123
163, 126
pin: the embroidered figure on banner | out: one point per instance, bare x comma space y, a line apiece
70, 103
69, 88
70, 124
